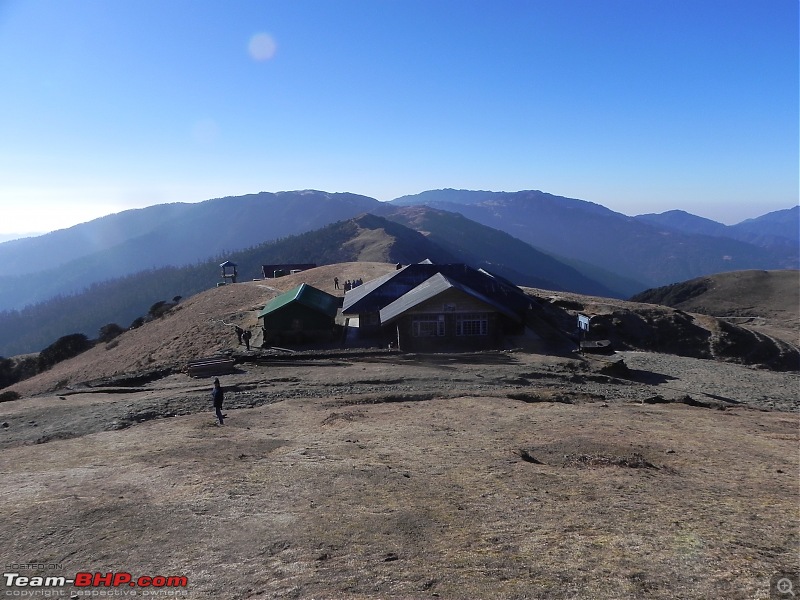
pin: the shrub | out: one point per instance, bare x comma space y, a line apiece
7, 373
109, 332
24, 367
62, 349
160, 308
9, 396
17, 369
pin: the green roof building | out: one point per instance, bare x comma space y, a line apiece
302, 314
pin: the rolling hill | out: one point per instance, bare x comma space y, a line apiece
646, 252
68, 261
625, 254
112, 269
366, 238
767, 298
202, 325
778, 230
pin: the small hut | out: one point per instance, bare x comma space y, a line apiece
228, 271
302, 314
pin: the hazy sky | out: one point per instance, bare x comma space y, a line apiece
639, 105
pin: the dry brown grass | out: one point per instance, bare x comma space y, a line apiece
313, 498
405, 476
765, 300
199, 326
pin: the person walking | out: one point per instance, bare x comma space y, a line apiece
217, 396
239, 333
246, 337
336, 283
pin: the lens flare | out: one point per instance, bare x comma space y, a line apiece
262, 47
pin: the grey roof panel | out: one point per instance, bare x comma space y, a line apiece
377, 294
431, 288
355, 294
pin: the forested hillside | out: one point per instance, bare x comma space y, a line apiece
125, 299
364, 238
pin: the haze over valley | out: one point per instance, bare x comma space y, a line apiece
114, 264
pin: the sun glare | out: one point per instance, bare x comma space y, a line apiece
262, 47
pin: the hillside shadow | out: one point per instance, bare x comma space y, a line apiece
721, 398
653, 378
648, 377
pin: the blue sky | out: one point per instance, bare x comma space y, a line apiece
639, 105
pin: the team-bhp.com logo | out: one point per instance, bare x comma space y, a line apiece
94, 580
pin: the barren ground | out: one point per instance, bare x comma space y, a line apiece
514, 474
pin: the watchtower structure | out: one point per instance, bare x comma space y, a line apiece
228, 271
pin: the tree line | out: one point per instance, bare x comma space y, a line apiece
106, 309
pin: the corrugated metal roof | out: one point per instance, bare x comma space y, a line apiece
306, 295
379, 293
355, 294
389, 287
431, 288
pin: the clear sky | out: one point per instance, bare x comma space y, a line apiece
639, 105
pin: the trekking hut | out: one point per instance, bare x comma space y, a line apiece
302, 314
443, 314
425, 307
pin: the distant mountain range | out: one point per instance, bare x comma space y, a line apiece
533, 238
7, 237
366, 238
69, 260
779, 229
652, 250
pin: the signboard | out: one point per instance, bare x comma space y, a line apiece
583, 322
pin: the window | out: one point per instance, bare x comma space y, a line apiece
427, 325
472, 324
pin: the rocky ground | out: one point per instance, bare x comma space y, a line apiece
511, 474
